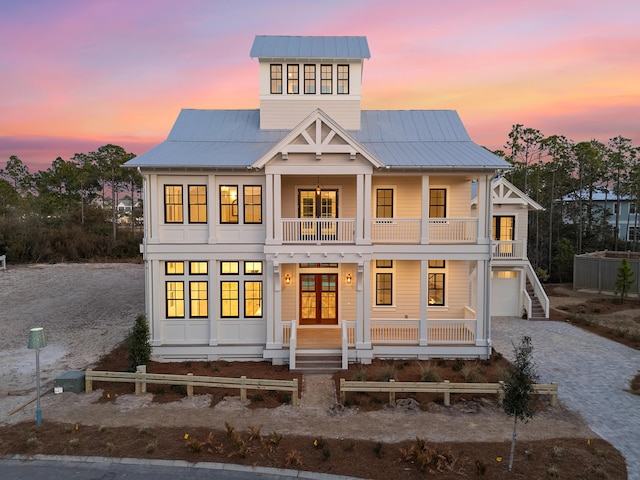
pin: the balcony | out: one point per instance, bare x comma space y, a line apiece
508, 250
383, 230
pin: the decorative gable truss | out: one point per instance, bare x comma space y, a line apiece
318, 134
506, 193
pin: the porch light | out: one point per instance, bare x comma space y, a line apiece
318, 190
36, 342
287, 279
348, 278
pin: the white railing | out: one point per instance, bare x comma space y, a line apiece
293, 340
449, 230
445, 332
286, 333
397, 332
395, 230
318, 230
512, 249
537, 289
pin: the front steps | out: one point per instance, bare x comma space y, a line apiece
310, 362
536, 306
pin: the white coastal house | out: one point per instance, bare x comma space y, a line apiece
311, 225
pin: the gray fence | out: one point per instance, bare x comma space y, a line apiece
598, 271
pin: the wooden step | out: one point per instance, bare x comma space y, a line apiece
309, 363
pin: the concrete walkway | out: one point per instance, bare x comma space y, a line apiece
592, 373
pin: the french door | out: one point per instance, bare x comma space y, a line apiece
321, 205
319, 299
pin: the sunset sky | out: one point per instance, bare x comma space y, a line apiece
79, 74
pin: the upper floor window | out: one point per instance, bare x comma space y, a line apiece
343, 79
293, 78
326, 78
384, 203
437, 203
197, 204
252, 204
173, 209
228, 204
310, 79
276, 78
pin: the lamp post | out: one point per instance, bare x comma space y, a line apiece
37, 341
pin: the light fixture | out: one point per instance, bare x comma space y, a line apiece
318, 190
287, 279
36, 342
348, 278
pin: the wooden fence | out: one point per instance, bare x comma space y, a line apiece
445, 388
3, 262
243, 383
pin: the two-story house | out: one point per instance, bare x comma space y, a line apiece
311, 225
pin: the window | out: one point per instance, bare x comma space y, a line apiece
173, 204
293, 78
309, 79
198, 301
175, 299
252, 204
633, 234
229, 268
437, 203
253, 299
436, 289
197, 204
198, 268
276, 78
228, 204
174, 268
253, 268
326, 79
320, 265
632, 208
384, 203
436, 263
503, 227
229, 299
384, 283
343, 79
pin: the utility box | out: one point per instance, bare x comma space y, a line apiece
69, 382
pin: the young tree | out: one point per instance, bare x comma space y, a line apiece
139, 346
518, 388
624, 279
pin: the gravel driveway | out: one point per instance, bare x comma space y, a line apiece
593, 374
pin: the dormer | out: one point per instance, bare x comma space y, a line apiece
301, 74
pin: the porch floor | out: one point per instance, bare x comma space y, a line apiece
319, 338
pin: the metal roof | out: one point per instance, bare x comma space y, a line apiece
398, 138
265, 46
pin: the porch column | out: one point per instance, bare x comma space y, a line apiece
423, 332
363, 330
360, 220
485, 212
483, 313
152, 291
212, 214
363, 209
151, 214
268, 197
424, 215
214, 295
273, 310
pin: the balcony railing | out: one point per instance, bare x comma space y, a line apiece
453, 230
508, 249
318, 230
395, 230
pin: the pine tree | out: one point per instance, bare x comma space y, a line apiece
518, 388
139, 346
624, 279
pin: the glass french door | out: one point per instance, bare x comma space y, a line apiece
318, 299
314, 204
503, 229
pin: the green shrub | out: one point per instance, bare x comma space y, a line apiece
139, 346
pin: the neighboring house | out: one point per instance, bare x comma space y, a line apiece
606, 203
310, 225
125, 206
515, 288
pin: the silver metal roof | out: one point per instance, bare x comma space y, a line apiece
265, 46
398, 138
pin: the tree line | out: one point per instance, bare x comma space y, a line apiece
565, 178
69, 212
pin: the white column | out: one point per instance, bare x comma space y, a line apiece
214, 294
424, 217
152, 282
364, 279
483, 315
277, 209
151, 217
424, 290
361, 222
366, 216
485, 211
268, 207
272, 304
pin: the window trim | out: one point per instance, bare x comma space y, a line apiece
206, 213
310, 78
230, 206
223, 300
389, 269
340, 81
274, 80
444, 205
177, 300
246, 299
246, 205
324, 79
179, 207
392, 205
291, 81
230, 262
205, 299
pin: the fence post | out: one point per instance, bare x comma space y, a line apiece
392, 392
554, 395
189, 386
143, 385
500, 391
342, 392
88, 383
138, 381
243, 389
294, 394
447, 394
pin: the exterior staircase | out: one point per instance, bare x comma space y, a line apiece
318, 350
538, 311
318, 362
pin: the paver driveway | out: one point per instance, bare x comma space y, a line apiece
592, 372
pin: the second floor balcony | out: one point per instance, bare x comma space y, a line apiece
381, 230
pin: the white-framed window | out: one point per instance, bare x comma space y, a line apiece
241, 289
186, 289
436, 295
384, 273
633, 234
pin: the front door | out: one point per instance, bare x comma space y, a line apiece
319, 299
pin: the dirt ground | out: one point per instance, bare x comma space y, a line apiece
87, 310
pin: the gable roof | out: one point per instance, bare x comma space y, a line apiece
267, 47
503, 192
399, 138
